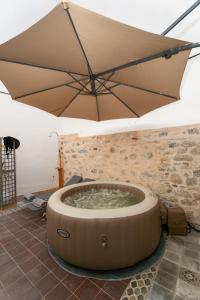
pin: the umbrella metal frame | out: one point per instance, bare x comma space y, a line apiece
101, 83
94, 78
178, 20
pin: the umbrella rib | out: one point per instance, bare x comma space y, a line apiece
78, 38
105, 81
47, 89
142, 89
127, 106
166, 54
82, 84
40, 67
112, 87
108, 93
66, 107
5, 93
73, 87
97, 105
195, 55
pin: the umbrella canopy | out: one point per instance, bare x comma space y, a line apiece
76, 63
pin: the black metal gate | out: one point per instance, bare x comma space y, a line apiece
7, 176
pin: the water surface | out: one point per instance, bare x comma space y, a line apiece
101, 198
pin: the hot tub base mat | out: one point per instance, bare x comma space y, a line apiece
118, 274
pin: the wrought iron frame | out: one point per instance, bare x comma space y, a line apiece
7, 176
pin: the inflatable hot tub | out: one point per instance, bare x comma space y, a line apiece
99, 238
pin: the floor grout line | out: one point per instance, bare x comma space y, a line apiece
101, 289
4, 289
22, 272
50, 271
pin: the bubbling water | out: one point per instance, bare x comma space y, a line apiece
101, 198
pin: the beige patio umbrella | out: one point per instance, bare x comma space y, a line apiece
76, 63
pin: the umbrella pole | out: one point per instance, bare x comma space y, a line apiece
166, 54
177, 21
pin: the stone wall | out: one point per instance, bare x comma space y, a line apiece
165, 160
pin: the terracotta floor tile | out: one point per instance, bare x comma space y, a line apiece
72, 282
31, 226
20, 233
37, 248
28, 265
18, 288
3, 295
22, 221
16, 251
11, 276
126, 281
38, 231
14, 214
2, 251
7, 267
12, 243
4, 258
47, 283
103, 296
5, 237
73, 297
60, 292
24, 237
114, 288
43, 254
11, 224
15, 228
22, 257
99, 283
2, 228
32, 294
31, 242
50, 264
87, 290
60, 273
37, 273
42, 236
5, 220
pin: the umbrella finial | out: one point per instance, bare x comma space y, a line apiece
65, 4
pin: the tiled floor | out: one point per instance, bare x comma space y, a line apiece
28, 273
178, 274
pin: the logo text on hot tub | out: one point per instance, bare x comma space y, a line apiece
64, 234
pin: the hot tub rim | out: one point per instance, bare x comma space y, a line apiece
55, 203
